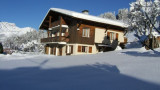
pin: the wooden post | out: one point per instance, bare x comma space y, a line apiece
50, 21
60, 29
50, 24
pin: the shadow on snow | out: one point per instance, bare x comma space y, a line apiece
88, 77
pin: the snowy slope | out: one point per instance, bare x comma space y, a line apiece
10, 29
132, 69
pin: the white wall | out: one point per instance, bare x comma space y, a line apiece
99, 35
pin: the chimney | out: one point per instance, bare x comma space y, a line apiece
85, 12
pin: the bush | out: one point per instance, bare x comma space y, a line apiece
1, 48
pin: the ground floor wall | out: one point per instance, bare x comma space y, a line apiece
70, 49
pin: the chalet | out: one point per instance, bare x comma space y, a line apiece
73, 33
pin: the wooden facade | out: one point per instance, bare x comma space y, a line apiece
65, 34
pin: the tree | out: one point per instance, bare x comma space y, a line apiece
143, 19
109, 15
123, 15
27, 42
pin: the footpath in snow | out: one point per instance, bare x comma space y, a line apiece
132, 69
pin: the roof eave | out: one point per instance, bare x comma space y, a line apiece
44, 18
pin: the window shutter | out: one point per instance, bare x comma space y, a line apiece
66, 49
89, 32
45, 50
117, 36
54, 50
108, 34
51, 50
79, 48
72, 49
90, 49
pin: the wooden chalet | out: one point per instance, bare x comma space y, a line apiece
73, 33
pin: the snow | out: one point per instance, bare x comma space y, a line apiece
130, 69
118, 48
88, 17
156, 34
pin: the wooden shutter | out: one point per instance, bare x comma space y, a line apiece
45, 50
90, 49
60, 51
66, 48
117, 36
54, 51
108, 35
79, 48
71, 49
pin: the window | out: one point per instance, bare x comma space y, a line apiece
86, 32
112, 36
85, 49
69, 49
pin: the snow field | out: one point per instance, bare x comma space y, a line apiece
130, 69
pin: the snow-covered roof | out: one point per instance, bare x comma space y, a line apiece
88, 17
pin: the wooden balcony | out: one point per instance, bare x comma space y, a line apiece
54, 39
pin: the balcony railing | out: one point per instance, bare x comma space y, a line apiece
54, 39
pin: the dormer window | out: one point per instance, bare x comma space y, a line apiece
86, 32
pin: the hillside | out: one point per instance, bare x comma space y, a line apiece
131, 69
10, 29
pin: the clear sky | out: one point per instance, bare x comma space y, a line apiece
30, 13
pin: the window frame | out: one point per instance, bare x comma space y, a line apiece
86, 32
112, 36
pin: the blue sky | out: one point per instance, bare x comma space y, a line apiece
30, 13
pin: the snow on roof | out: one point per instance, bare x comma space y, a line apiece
88, 17
155, 34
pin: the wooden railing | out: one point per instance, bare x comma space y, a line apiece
54, 39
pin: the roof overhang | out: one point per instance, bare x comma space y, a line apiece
85, 17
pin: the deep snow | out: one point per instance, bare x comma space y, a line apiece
131, 69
